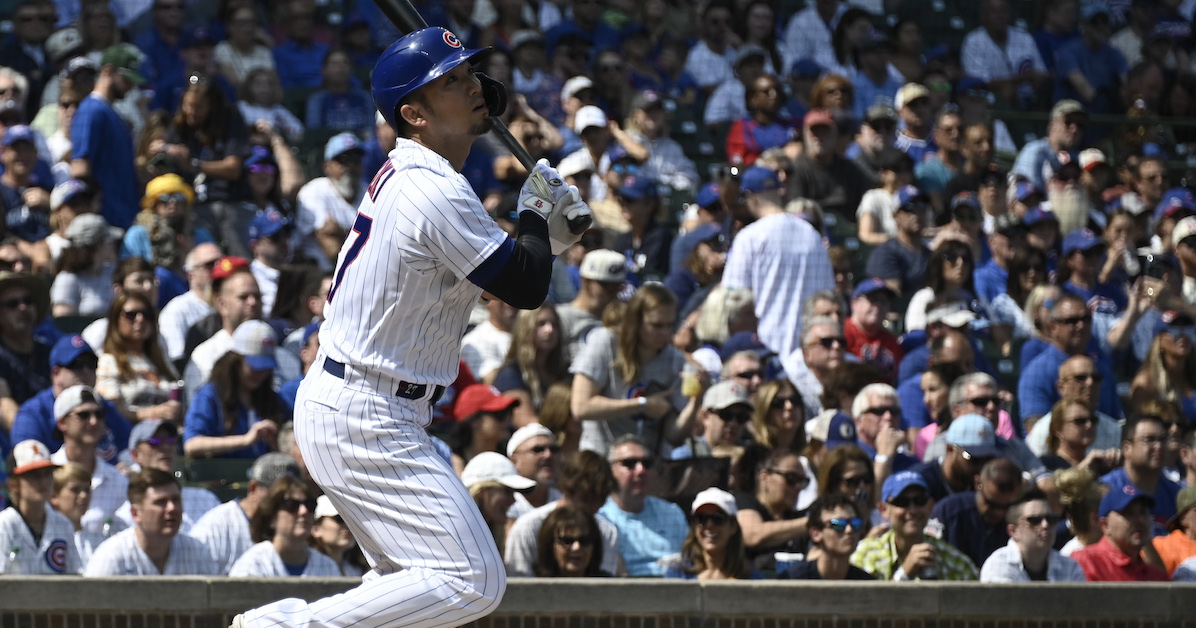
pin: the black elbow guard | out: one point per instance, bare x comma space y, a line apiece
519, 273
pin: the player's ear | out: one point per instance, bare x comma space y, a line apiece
413, 114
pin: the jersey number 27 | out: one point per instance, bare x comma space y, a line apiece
361, 227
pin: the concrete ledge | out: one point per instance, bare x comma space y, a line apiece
632, 598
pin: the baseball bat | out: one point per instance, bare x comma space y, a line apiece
403, 14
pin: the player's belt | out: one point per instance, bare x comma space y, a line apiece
406, 390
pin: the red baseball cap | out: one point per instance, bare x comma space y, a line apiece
481, 398
226, 266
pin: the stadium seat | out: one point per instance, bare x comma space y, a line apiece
228, 478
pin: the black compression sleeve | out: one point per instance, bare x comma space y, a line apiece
523, 280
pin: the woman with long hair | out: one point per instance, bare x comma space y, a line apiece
629, 381
779, 423
332, 538
1073, 430
556, 414
133, 371
769, 516
1169, 373
569, 545
848, 470
280, 528
1080, 494
714, 547
833, 91
492, 481
237, 413
936, 385
907, 58
949, 271
1027, 270
757, 26
701, 271
852, 31
535, 361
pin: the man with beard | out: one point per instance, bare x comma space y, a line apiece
328, 204
1028, 556
24, 360
97, 130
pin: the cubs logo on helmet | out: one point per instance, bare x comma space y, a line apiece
414, 60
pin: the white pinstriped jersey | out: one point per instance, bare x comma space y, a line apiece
122, 555
225, 530
263, 561
54, 555
400, 300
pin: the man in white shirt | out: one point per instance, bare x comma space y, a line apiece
536, 456
190, 307
808, 35
269, 239
709, 61
485, 348
225, 529
154, 547
153, 444
1028, 555
1004, 56
79, 413
328, 204
237, 300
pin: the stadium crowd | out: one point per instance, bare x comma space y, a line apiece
876, 290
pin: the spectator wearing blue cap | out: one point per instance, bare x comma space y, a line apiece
821, 174
307, 356
269, 239
1069, 332
586, 21
901, 262
647, 244
72, 362
906, 552
697, 274
797, 264
328, 204
765, 126
1082, 260
340, 104
707, 209
867, 339
877, 222
1175, 205
154, 444
1088, 68
27, 200
1125, 520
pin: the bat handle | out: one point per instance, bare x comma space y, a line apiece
577, 226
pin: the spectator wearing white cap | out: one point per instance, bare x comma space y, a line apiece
492, 481
153, 444
603, 274
328, 204
42, 539
280, 528
154, 547
246, 426
726, 409
714, 548
533, 450
79, 413
331, 537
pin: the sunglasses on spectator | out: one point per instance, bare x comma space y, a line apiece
266, 168
903, 501
1083, 421
177, 197
855, 482
983, 402
829, 342
87, 415
841, 525
569, 541
131, 315
158, 441
749, 374
882, 410
292, 505
16, 302
738, 416
1074, 320
792, 478
1036, 520
632, 463
778, 403
712, 519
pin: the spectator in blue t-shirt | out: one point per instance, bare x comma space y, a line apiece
1039, 160
340, 104
163, 42
97, 131
1088, 69
299, 58
246, 426
1143, 441
587, 20
1069, 330
1083, 256
650, 528
307, 356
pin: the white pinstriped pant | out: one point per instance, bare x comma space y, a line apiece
434, 561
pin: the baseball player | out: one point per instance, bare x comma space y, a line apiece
421, 253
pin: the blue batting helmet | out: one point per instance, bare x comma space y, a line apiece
416, 59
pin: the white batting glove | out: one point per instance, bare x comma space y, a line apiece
544, 188
568, 208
